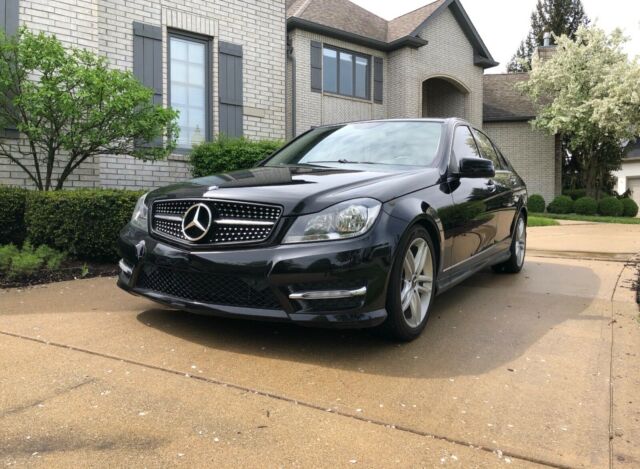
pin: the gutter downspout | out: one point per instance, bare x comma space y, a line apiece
292, 57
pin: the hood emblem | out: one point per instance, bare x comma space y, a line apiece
196, 222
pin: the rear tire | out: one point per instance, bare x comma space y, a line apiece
518, 249
411, 287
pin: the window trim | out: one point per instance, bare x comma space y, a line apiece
208, 79
354, 54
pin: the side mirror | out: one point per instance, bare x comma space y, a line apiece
476, 168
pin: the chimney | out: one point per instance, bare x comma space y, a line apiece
546, 50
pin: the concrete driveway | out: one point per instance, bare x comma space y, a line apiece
511, 370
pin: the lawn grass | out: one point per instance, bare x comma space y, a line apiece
535, 220
593, 218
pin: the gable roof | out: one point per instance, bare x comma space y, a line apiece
502, 102
345, 20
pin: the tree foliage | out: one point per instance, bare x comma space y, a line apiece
558, 17
589, 92
70, 106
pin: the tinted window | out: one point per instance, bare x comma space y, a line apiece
486, 149
400, 143
464, 146
330, 70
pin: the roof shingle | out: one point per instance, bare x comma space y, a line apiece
503, 102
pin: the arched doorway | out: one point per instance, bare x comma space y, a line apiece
444, 97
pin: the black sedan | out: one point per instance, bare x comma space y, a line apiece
352, 225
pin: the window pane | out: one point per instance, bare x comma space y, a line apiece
346, 73
188, 89
361, 77
464, 146
486, 149
330, 70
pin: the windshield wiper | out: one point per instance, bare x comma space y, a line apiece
346, 161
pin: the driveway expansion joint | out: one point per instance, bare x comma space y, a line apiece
283, 398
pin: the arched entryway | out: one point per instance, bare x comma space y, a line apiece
444, 97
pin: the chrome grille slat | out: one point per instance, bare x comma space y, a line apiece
233, 222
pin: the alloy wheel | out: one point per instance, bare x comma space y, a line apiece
521, 241
417, 282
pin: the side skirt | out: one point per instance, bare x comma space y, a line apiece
494, 255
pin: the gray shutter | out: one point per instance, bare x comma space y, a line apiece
147, 57
230, 87
316, 66
9, 22
377, 80
9, 16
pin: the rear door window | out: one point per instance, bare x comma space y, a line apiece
486, 149
464, 145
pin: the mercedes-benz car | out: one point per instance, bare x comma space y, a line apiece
351, 225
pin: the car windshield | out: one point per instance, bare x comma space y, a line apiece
397, 143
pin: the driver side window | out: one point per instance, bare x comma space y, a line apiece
464, 145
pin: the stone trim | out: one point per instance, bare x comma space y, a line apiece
189, 22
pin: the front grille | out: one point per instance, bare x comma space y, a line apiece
216, 289
231, 222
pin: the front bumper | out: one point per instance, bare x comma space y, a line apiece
327, 284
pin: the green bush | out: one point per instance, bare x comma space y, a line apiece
7, 253
536, 203
586, 206
229, 154
12, 229
610, 207
561, 204
575, 194
629, 207
84, 223
15, 263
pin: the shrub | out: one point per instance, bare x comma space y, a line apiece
586, 206
536, 203
629, 207
85, 223
7, 253
27, 261
12, 229
229, 154
575, 194
561, 204
610, 207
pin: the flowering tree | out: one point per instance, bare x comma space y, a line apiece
589, 92
69, 106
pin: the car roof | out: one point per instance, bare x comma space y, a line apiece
448, 120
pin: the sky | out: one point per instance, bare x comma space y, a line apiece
502, 24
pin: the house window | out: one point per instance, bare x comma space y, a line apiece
346, 72
189, 78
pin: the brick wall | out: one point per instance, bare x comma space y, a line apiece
105, 26
532, 154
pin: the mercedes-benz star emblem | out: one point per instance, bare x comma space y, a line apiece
196, 222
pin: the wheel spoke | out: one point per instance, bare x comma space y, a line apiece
409, 266
420, 258
416, 306
405, 296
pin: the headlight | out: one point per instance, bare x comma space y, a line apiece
341, 221
139, 217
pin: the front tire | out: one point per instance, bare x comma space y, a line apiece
518, 249
411, 288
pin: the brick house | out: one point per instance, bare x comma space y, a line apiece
220, 62
276, 68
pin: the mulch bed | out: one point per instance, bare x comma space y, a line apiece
70, 270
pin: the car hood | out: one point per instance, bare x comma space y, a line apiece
305, 189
